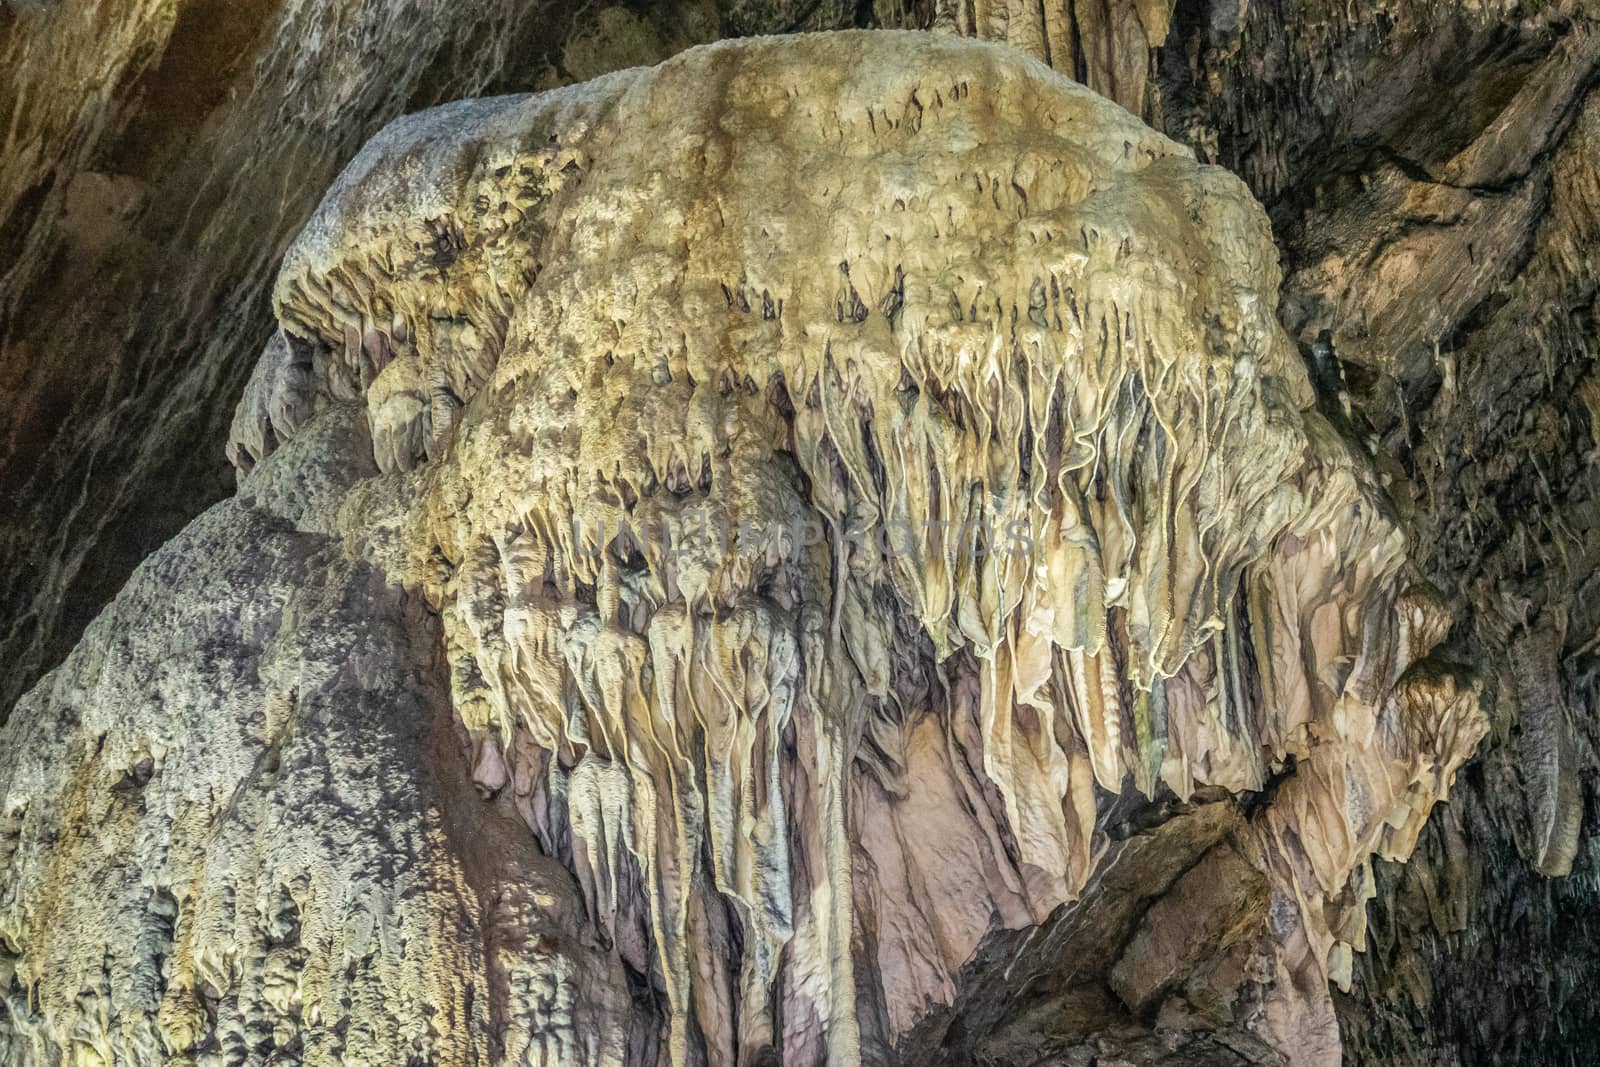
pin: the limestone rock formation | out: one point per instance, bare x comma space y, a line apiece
156, 158
727, 559
1450, 151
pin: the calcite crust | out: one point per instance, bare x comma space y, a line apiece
711, 545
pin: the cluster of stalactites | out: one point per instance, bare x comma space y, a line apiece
1185, 611
724, 524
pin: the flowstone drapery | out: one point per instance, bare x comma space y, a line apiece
817, 491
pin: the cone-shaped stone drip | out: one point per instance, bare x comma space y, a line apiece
811, 489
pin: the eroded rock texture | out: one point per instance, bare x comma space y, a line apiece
156, 158
807, 553
1432, 173
1429, 169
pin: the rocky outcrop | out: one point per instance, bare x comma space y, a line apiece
728, 558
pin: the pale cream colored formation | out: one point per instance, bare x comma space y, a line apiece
749, 304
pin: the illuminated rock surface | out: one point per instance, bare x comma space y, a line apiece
404, 754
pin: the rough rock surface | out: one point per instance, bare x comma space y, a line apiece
160, 156
156, 158
1431, 170
727, 557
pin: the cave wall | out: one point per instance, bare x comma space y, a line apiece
1429, 169
1432, 175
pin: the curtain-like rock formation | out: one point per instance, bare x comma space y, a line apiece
722, 552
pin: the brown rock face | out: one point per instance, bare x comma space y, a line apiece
720, 551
